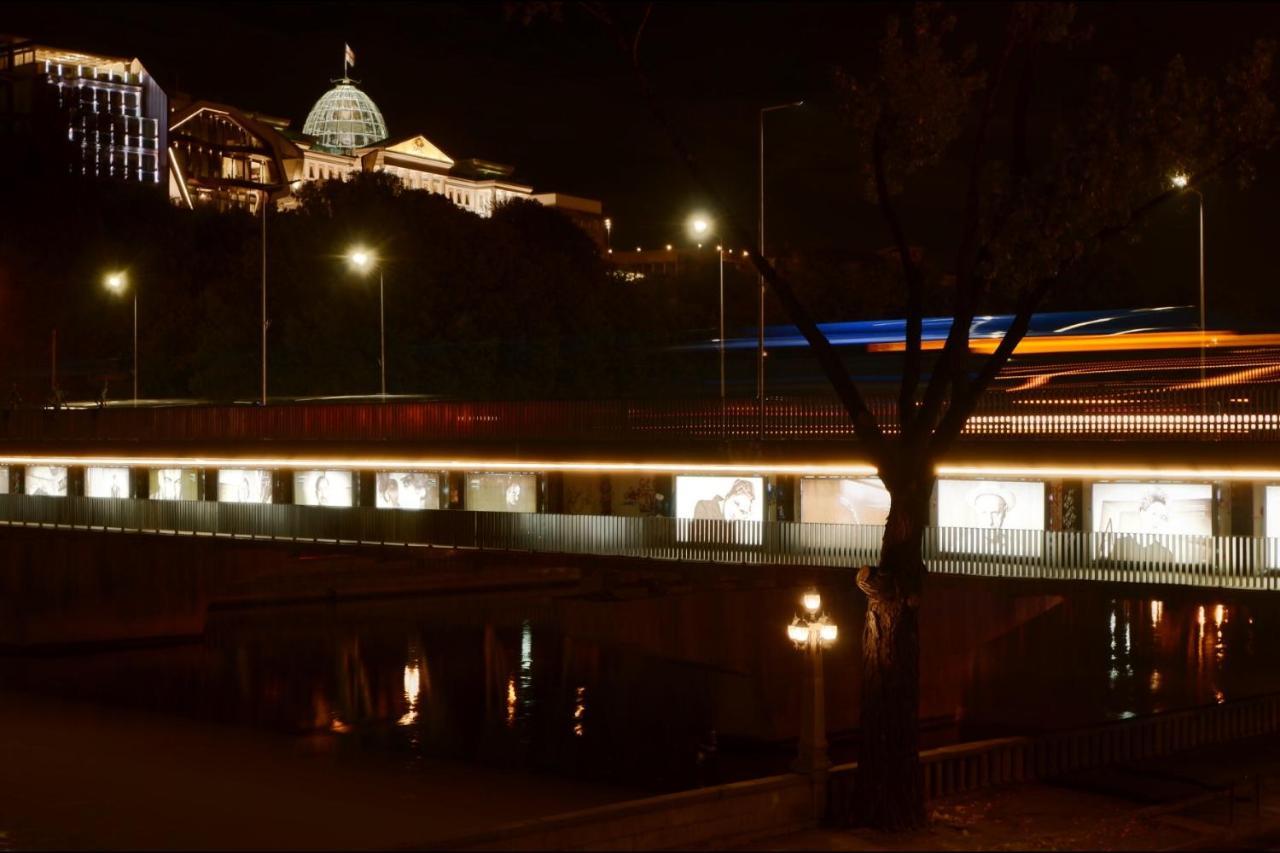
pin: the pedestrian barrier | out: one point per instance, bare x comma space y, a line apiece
965, 767
1235, 562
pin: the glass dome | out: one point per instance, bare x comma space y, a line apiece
345, 119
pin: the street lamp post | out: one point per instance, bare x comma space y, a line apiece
265, 205
117, 282
760, 341
1182, 182
362, 259
700, 228
811, 633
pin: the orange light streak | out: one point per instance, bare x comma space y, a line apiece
1100, 343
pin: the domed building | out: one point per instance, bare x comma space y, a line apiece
345, 119
227, 157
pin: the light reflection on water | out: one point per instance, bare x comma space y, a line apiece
666, 693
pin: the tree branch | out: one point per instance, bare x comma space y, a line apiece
913, 279
864, 422
949, 365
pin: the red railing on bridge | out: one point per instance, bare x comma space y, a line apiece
1248, 413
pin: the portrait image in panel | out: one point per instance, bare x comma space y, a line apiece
322, 488
172, 484
1146, 521
407, 490
502, 492
244, 485
722, 498
112, 482
844, 500
995, 507
46, 480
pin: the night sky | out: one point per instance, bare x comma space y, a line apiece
553, 99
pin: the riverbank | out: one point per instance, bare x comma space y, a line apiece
79, 776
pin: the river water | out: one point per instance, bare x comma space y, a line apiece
664, 691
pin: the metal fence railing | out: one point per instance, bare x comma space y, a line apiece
952, 770
1239, 413
1242, 562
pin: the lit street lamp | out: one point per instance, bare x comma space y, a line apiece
1182, 182
812, 633
362, 259
760, 343
118, 282
700, 227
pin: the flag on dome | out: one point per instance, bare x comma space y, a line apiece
350, 55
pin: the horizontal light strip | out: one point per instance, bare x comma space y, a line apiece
1093, 472
854, 469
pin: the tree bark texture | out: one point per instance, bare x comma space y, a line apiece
889, 790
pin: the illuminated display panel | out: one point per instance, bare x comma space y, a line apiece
991, 504
1149, 521
45, 480
173, 484
1272, 504
991, 511
720, 498
731, 499
502, 492
106, 482
322, 488
407, 490
843, 500
4, 479
244, 485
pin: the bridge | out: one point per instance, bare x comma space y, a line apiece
1077, 463
1225, 562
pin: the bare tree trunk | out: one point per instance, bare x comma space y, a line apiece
889, 793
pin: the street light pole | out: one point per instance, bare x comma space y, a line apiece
135, 346
1182, 182
117, 282
382, 335
363, 259
1203, 390
760, 340
720, 252
264, 299
811, 633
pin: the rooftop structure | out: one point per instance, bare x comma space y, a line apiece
234, 158
344, 119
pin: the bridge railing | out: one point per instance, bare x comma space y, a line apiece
1239, 412
1219, 561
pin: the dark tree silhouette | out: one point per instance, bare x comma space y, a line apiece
1040, 205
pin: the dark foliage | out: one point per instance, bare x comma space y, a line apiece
520, 304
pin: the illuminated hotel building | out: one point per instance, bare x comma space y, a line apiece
231, 158
94, 116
